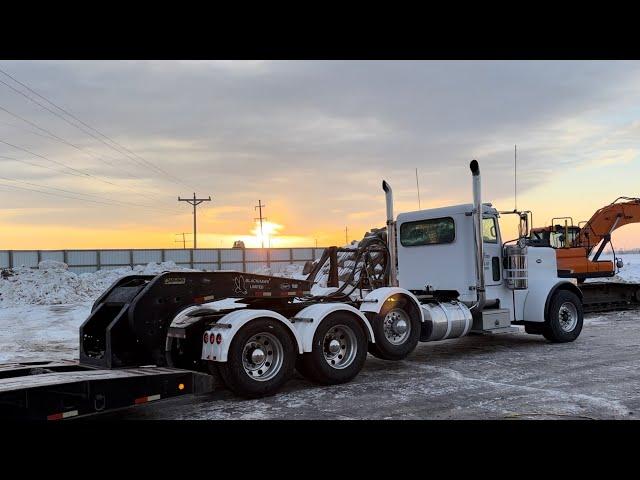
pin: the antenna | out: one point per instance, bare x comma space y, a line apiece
515, 177
418, 188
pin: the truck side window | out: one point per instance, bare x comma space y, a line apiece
489, 230
433, 231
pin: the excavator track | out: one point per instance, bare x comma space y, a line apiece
610, 296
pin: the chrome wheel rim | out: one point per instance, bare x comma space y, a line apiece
262, 357
568, 316
397, 326
340, 346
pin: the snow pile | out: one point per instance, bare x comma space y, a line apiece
53, 284
289, 271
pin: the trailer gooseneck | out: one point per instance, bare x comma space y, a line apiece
439, 273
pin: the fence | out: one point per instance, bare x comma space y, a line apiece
245, 260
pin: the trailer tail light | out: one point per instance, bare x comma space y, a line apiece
219, 339
206, 337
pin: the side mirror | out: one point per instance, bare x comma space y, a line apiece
619, 263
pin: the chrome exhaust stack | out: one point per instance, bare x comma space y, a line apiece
391, 235
477, 211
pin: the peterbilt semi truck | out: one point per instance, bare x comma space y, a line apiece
450, 273
438, 274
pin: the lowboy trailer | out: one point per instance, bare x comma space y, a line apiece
440, 273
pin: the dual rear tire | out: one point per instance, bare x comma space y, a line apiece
260, 360
263, 355
338, 353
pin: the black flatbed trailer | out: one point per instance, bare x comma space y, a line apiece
66, 389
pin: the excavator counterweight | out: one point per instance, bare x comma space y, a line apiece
575, 245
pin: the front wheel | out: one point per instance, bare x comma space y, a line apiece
565, 318
261, 359
338, 353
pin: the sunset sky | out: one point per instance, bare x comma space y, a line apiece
312, 140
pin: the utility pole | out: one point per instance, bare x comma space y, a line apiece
184, 240
260, 206
418, 189
515, 177
346, 235
195, 202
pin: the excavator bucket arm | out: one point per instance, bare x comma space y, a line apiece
607, 219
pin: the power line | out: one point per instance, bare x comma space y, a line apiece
110, 202
121, 147
53, 136
79, 173
53, 194
195, 202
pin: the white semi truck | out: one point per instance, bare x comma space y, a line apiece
454, 276
445, 272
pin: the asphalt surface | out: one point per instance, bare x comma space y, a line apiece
506, 376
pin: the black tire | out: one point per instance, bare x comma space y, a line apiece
233, 371
383, 347
560, 312
318, 368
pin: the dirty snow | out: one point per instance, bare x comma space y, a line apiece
53, 284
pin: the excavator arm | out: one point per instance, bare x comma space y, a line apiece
607, 219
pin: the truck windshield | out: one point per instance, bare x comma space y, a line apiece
427, 232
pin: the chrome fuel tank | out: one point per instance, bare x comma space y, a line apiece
444, 320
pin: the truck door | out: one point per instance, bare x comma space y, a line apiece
492, 251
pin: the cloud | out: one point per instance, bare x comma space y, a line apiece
312, 139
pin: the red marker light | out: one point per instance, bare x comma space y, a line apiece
219, 339
206, 337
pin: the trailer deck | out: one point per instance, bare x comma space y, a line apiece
64, 389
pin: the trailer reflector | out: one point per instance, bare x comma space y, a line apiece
60, 416
150, 398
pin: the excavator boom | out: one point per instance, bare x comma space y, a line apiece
607, 219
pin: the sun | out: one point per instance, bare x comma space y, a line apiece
269, 230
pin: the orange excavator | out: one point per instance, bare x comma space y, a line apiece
575, 244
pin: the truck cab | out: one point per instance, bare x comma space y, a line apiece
448, 256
